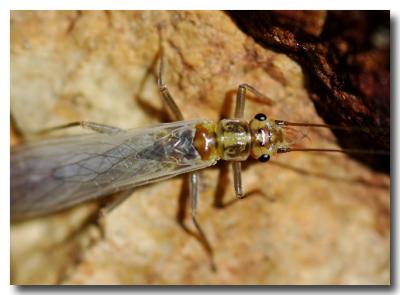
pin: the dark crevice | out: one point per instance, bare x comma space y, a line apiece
345, 56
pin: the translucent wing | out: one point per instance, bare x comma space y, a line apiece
57, 173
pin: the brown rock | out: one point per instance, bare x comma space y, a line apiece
321, 219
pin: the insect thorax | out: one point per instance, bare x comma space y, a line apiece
237, 139
229, 139
234, 139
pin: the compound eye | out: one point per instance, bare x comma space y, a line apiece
260, 117
264, 158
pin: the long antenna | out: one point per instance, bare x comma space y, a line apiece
345, 151
336, 127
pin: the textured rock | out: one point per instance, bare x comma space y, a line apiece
321, 219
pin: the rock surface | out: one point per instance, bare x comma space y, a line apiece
320, 219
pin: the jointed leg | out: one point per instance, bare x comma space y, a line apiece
169, 100
118, 200
222, 184
110, 206
194, 177
239, 112
190, 188
241, 97
100, 128
194, 198
237, 179
237, 166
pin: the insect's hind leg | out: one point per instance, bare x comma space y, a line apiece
190, 188
110, 206
194, 200
97, 127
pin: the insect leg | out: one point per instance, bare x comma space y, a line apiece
222, 185
237, 179
194, 177
167, 97
241, 97
237, 166
237, 182
194, 198
239, 112
240, 101
100, 128
110, 206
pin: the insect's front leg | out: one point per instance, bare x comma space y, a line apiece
241, 98
239, 112
222, 184
237, 179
